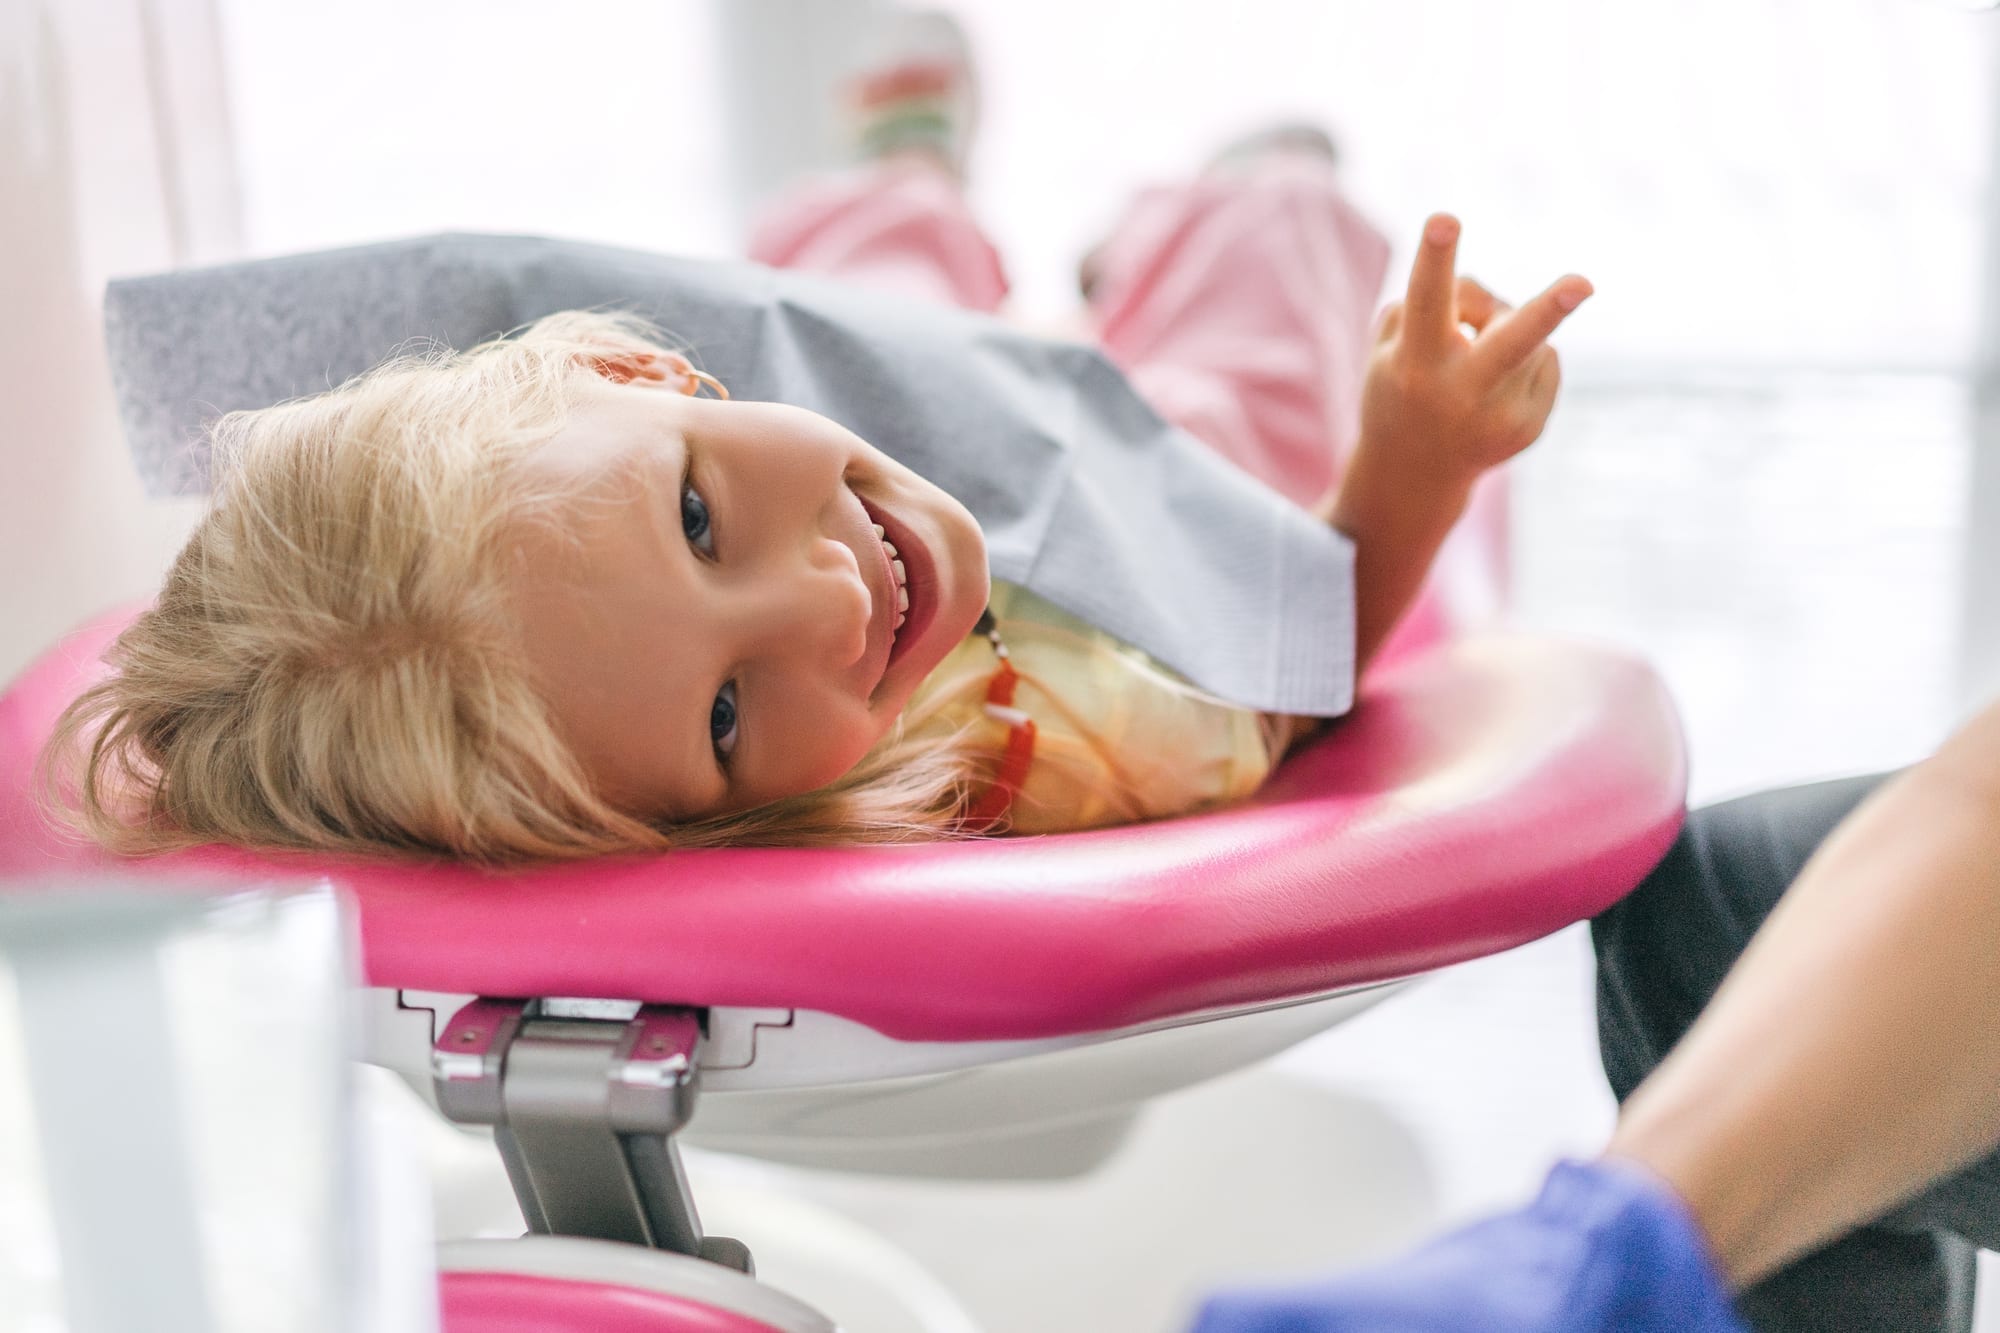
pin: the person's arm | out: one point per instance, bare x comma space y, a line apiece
1853, 1054
1851, 1058
1438, 408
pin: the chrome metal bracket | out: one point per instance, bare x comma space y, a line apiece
585, 1097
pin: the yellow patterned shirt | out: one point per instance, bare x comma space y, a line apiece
1118, 736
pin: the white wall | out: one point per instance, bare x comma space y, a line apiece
1767, 183
114, 157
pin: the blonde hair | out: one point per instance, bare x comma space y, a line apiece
332, 664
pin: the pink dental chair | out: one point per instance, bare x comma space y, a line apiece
992, 1007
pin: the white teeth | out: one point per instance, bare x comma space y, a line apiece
902, 575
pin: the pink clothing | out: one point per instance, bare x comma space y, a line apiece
899, 226
1239, 305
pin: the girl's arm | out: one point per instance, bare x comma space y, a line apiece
1438, 408
1853, 1055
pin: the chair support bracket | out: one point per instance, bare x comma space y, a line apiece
585, 1097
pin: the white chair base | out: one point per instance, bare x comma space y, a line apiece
814, 1090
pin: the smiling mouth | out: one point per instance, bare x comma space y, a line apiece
900, 574
915, 576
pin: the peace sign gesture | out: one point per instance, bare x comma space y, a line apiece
1439, 407
1468, 401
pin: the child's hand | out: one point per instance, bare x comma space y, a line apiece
1465, 403
1438, 408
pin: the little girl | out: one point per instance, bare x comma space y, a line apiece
548, 598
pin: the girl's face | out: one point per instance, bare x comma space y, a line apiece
715, 625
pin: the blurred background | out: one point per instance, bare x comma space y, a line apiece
1773, 471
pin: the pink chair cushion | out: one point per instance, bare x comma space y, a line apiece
521, 1303
1481, 795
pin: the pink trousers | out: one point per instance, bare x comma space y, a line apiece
1240, 304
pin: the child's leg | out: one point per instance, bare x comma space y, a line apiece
1241, 306
900, 224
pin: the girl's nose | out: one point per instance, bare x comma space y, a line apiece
818, 607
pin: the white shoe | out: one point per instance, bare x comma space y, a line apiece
914, 89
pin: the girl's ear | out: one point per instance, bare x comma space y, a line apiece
651, 369
645, 367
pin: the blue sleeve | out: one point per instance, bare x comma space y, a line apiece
1604, 1248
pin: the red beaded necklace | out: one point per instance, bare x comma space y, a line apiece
994, 802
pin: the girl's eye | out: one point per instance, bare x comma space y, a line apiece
694, 520
722, 721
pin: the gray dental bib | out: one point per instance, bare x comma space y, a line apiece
1086, 497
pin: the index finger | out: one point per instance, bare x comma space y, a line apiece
1429, 320
1512, 339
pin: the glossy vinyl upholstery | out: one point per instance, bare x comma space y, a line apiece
531, 1303
1482, 794
554, 1284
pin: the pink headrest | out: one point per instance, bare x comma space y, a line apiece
483, 1302
1481, 795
